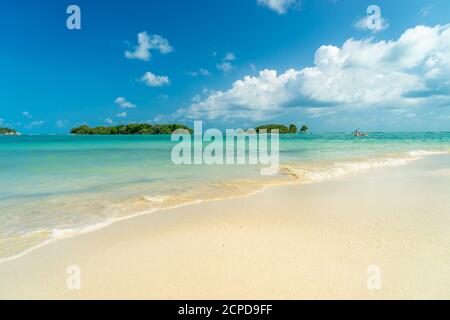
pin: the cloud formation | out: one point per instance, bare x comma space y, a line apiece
279, 6
147, 43
200, 72
410, 72
153, 80
229, 57
365, 24
226, 66
123, 103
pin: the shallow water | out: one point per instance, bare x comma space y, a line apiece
54, 186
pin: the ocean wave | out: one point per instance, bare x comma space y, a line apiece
420, 153
317, 173
155, 199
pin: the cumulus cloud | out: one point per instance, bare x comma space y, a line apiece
153, 80
123, 103
410, 72
147, 43
121, 115
109, 121
279, 6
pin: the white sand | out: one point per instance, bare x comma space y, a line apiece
289, 242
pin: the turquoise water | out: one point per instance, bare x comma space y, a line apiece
54, 186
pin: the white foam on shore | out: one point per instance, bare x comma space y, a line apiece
421, 153
310, 174
302, 174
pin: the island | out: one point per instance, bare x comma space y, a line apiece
282, 129
8, 132
134, 128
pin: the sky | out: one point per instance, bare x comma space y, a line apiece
230, 63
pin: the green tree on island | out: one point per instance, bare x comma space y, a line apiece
292, 129
304, 128
282, 129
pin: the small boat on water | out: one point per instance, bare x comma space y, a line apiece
358, 133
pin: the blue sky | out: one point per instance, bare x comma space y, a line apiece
233, 63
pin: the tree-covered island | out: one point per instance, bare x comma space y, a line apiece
134, 128
148, 129
282, 129
8, 132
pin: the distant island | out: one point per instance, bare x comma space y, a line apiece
8, 132
282, 129
134, 128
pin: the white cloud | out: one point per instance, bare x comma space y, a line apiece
200, 72
410, 72
27, 114
196, 98
123, 103
109, 121
229, 57
204, 72
153, 80
279, 6
367, 23
122, 115
225, 67
147, 43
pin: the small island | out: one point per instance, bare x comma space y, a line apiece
134, 128
8, 132
282, 129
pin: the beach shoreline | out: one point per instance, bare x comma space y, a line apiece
285, 242
290, 174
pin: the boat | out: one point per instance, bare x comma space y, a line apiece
358, 133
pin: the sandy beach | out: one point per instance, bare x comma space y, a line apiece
287, 242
